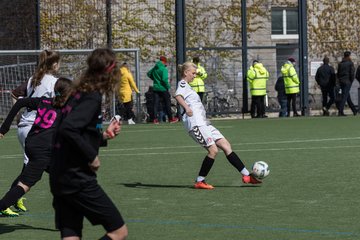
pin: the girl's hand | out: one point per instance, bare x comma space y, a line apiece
115, 126
113, 129
1, 135
189, 112
95, 165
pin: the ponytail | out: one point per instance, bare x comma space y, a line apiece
46, 65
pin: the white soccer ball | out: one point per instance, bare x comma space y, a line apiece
260, 169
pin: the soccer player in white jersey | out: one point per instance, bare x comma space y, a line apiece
201, 130
41, 84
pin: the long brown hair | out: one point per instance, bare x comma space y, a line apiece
47, 59
63, 88
101, 75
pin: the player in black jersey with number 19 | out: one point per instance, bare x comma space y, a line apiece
39, 141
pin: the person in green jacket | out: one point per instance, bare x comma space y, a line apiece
198, 84
292, 83
161, 86
257, 76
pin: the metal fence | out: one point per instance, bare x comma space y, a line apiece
214, 31
18, 66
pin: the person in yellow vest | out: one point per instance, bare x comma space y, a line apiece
126, 87
198, 84
257, 76
292, 83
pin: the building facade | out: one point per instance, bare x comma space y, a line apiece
213, 32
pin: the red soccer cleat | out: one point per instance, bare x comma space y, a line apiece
203, 185
250, 179
156, 121
174, 120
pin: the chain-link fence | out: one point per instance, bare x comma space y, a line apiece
18, 66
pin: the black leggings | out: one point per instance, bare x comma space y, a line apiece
165, 96
129, 114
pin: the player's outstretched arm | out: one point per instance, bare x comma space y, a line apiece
23, 102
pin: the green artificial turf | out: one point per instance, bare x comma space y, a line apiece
312, 191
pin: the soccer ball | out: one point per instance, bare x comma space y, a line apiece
260, 169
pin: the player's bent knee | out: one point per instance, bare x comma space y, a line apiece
119, 234
213, 151
25, 187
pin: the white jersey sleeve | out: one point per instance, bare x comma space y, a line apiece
45, 89
192, 99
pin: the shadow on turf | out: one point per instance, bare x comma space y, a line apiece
6, 228
144, 185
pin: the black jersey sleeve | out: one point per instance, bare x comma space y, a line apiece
31, 103
80, 128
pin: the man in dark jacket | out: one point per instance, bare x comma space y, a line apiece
325, 77
357, 76
282, 99
346, 74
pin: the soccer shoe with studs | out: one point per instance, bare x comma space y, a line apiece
8, 213
174, 120
203, 185
20, 205
250, 179
131, 122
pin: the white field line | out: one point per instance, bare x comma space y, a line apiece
135, 151
235, 150
234, 144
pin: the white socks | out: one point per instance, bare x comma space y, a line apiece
245, 172
200, 179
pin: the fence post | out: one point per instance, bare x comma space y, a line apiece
358, 100
108, 24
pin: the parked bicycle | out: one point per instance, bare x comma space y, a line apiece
147, 110
313, 104
220, 104
271, 103
234, 102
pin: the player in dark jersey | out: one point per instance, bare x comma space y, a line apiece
73, 183
39, 141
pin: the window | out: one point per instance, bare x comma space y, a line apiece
284, 23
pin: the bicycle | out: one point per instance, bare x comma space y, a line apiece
271, 104
311, 101
217, 103
232, 100
144, 116
206, 100
214, 105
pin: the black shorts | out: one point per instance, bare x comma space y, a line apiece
39, 160
92, 203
